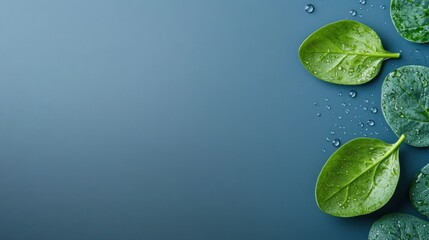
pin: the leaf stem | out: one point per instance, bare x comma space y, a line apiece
393, 55
400, 140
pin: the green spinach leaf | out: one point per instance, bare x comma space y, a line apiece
344, 52
411, 19
399, 226
405, 103
359, 178
419, 191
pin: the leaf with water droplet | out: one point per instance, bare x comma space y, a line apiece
410, 108
350, 46
363, 165
410, 18
419, 191
399, 226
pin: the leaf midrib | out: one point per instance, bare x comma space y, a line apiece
392, 149
383, 55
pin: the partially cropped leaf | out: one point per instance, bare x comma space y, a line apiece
344, 52
359, 178
411, 19
405, 103
419, 191
399, 226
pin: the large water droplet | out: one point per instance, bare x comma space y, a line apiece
353, 93
336, 142
370, 123
309, 8
353, 12
374, 110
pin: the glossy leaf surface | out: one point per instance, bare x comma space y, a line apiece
419, 191
359, 178
345, 52
399, 226
411, 19
405, 103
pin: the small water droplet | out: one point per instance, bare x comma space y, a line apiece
366, 100
417, 50
328, 139
353, 93
315, 104
319, 114
336, 142
365, 108
339, 117
328, 107
323, 149
309, 8
374, 110
383, 7
353, 12
360, 124
343, 104
332, 133
360, 15
327, 99
363, 2
340, 94
370, 123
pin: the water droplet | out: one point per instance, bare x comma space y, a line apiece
363, 2
383, 7
370, 123
340, 94
332, 133
343, 104
360, 124
366, 100
374, 110
336, 142
309, 8
339, 117
353, 12
323, 149
365, 108
417, 50
328, 107
353, 93
319, 114
328, 139
360, 15
327, 99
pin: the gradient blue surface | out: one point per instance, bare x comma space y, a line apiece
190, 119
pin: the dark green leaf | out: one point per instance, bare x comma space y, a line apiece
405, 103
411, 19
344, 52
399, 226
359, 178
419, 191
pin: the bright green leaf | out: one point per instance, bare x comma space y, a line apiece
359, 178
344, 52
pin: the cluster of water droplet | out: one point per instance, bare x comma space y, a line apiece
359, 116
354, 12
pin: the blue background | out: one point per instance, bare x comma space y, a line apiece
189, 119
